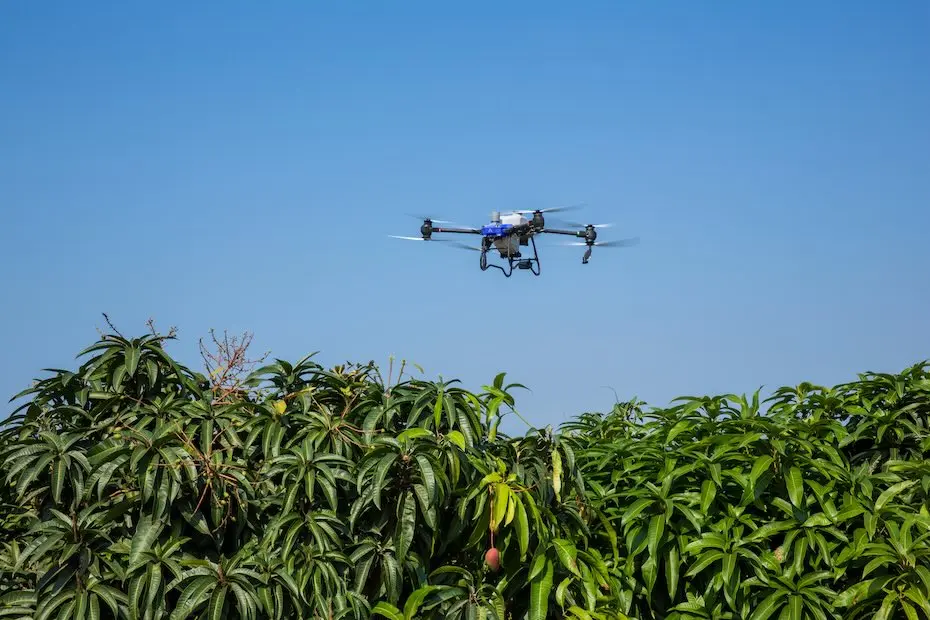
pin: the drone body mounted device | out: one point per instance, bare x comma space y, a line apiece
507, 233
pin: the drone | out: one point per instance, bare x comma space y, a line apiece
507, 233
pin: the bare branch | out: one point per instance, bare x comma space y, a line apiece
112, 327
227, 365
171, 335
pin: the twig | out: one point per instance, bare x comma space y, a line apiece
228, 366
110, 323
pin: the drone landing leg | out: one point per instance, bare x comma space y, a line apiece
538, 268
527, 263
504, 271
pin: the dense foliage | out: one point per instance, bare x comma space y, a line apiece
134, 488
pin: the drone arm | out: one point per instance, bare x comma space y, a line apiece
472, 231
571, 233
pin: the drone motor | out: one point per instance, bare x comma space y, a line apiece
539, 222
590, 234
426, 229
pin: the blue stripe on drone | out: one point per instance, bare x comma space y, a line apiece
496, 230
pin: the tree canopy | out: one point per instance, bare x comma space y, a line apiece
136, 487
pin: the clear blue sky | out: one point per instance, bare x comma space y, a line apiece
239, 165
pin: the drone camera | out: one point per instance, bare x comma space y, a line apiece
526, 263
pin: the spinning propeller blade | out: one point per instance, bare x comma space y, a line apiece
463, 246
448, 242
577, 225
550, 209
607, 244
432, 219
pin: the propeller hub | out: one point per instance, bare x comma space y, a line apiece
590, 234
426, 229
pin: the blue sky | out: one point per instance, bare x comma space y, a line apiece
239, 166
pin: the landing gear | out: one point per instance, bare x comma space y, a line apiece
532, 264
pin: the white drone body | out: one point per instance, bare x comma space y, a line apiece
509, 245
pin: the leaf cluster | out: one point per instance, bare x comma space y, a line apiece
815, 506
129, 490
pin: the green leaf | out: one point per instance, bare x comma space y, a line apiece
521, 525
769, 605
537, 566
557, 474
853, 595
567, 554
412, 606
891, 492
795, 483
437, 408
887, 607
413, 433
705, 560
406, 526
672, 566
387, 610
457, 438
146, 532
501, 499
909, 610
761, 464
817, 520
540, 588
58, 480
656, 532
915, 594
217, 604
708, 493
427, 475
132, 360
578, 612
634, 510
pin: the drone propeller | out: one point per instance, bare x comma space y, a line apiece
463, 246
608, 244
577, 225
446, 241
550, 209
432, 219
